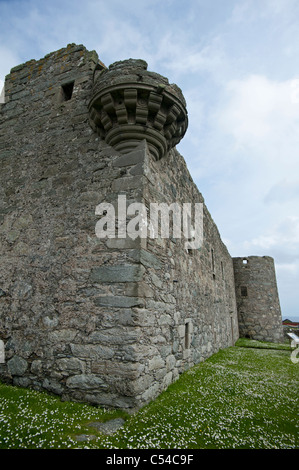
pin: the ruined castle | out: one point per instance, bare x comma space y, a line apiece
113, 320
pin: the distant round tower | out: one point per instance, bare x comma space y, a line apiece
257, 298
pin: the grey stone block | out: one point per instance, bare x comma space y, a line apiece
127, 182
147, 258
119, 301
118, 273
132, 158
86, 382
17, 365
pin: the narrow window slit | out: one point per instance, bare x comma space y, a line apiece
67, 91
187, 335
244, 291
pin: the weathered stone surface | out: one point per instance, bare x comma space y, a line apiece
52, 386
17, 365
2, 352
156, 363
63, 335
257, 298
71, 365
91, 351
118, 301
36, 367
136, 156
121, 273
86, 382
130, 182
147, 258
110, 321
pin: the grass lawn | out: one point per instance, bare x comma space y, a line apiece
243, 397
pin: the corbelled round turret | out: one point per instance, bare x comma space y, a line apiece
130, 104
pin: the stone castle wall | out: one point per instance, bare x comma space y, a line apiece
257, 298
110, 321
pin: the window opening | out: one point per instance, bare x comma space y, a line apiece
213, 263
187, 335
244, 291
67, 90
2, 352
222, 270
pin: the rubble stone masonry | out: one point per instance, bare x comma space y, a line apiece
257, 298
109, 321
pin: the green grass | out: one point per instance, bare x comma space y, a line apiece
242, 397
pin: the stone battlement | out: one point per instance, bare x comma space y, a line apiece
130, 104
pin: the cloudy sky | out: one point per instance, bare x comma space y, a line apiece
237, 63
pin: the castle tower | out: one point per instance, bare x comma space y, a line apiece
257, 298
107, 320
130, 104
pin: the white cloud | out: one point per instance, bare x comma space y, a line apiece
8, 59
186, 58
251, 10
2, 94
258, 124
263, 114
287, 268
282, 239
284, 191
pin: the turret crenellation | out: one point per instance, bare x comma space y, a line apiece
130, 103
